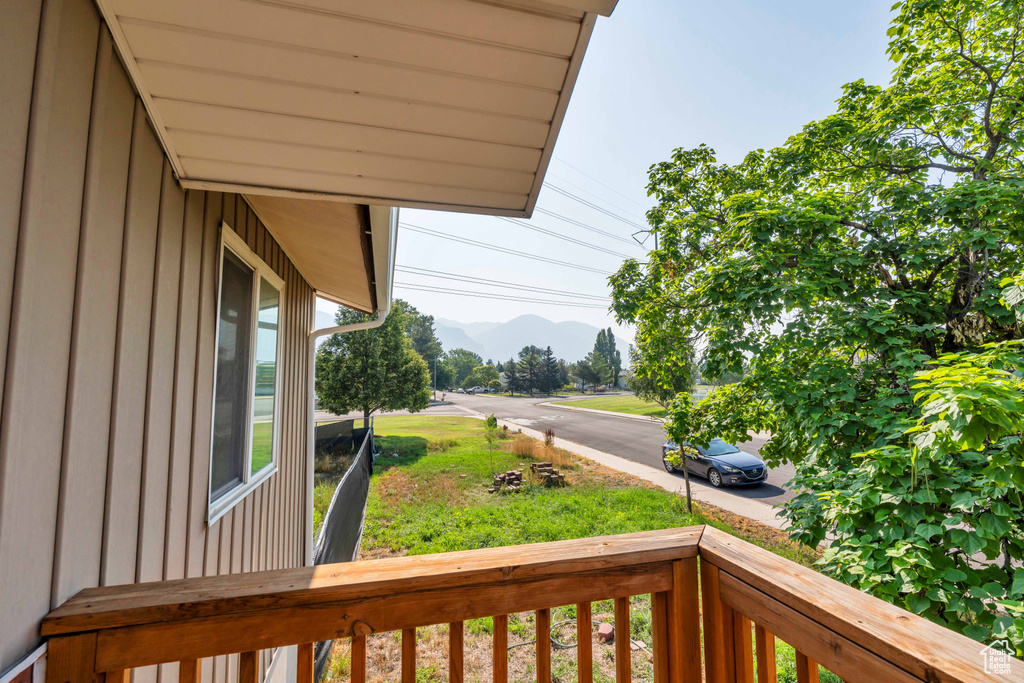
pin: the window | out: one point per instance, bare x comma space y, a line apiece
245, 430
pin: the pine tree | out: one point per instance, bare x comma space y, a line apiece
512, 384
550, 371
530, 368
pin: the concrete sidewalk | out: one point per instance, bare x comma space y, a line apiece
759, 512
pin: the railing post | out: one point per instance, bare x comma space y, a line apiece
659, 634
455, 651
719, 650
743, 647
305, 668
684, 623
544, 646
72, 659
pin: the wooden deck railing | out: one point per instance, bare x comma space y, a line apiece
749, 596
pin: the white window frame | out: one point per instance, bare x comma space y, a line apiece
230, 241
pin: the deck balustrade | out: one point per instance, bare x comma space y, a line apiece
718, 605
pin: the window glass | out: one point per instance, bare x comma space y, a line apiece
266, 374
231, 393
719, 447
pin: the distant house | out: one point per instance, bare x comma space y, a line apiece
180, 181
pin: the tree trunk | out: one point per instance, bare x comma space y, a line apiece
366, 417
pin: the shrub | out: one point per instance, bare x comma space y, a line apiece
523, 446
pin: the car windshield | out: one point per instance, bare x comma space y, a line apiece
719, 447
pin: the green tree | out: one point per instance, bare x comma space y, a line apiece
842, 263
549, 372
512, 381
593, 370
481, 376
419, 328
605, 346
531, 369
661, 384
461, 363
371, 370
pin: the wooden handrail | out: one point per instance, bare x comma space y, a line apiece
95, 609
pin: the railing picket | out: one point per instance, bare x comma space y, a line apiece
118, 676
766, 672
719, 654
543, 646
806, 669
500, 661
304, 669
455, 652
358, 659
684, 623
584, 643
189, 671
623, 668
744, 649
659, 634
247, 671
409, 655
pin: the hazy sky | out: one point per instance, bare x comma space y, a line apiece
659, 74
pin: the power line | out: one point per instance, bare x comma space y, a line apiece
413, 270
595, 207
632, 213
577, 223
558, 235
503, 250
609, 187
499, 297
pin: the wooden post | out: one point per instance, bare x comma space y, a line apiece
659, 634
806, 669
500, 662
744, 650
71, 659
455, 652
766, 672
409, 655
719, 652
247, 669
543, 646
684, 623
304, 667
623, 664
358, 659
584, 643
190, 671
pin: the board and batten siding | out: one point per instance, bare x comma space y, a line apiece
108, 297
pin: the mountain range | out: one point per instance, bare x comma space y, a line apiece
569, 340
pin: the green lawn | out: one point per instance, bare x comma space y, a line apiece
619, 404
432, 498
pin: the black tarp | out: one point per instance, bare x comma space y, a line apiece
342, 528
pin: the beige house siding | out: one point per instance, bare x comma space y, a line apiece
108, 276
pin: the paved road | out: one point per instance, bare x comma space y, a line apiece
635, 440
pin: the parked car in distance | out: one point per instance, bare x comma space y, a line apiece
460, 390
721, 463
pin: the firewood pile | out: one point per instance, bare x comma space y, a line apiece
509, 481
549, 476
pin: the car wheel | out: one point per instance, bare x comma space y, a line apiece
715, 478
668, 466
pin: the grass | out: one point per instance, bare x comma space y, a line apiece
620, 404
428, 494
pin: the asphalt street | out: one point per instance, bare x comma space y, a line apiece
636, 440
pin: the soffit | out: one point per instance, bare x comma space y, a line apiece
447, 104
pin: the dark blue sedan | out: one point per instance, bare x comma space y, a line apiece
721, 463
